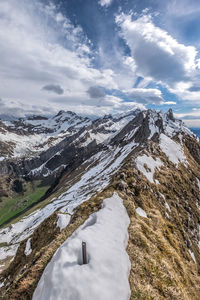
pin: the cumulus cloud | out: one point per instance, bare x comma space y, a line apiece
161, 58
105, 2
157, 54
145, 96
53, 88
187, 91
53, 50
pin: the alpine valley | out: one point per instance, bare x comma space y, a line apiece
128, 185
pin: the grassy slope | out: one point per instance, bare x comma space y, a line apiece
9, 208
161, 266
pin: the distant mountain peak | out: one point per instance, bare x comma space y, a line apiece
170, 115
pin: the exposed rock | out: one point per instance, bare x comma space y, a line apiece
17, 186
122, 185
170, 115
122, 176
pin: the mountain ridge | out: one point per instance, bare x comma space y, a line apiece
152, 161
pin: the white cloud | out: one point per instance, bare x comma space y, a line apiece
145, 96
170, 103
92, 107
157, 54
96, 106
40, 47
105, 2
160, 58
187, 91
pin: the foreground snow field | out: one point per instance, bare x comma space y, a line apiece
105, 276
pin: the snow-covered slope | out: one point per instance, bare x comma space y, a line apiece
32, 135
28, 137
105, 276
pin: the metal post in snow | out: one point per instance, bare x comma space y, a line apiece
84, 252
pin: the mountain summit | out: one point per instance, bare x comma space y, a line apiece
129, 182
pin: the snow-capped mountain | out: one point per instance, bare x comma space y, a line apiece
146, 161
27, 137
39, 147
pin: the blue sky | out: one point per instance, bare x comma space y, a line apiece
97, 57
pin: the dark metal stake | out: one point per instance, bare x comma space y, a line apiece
84, 253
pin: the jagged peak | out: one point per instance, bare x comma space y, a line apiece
64, 112
59, 113
133, 112
170, 115
35, 117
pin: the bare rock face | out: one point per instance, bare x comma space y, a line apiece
122, 185
122, 176
170, 115
17, 186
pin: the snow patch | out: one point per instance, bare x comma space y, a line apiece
162, 195
105, 276
167, 206
167, 215
141, 212
151, 164
173, 150
192, 255
8, 251
28, 249
63, 221
1, 284
152, 124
